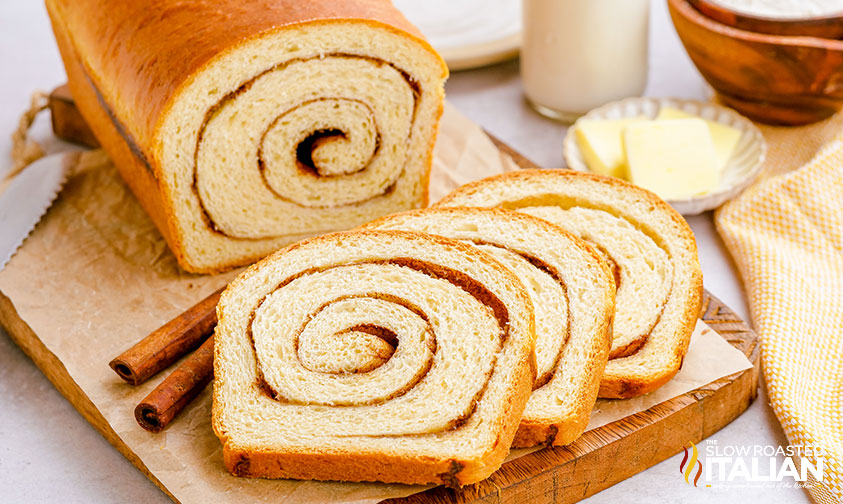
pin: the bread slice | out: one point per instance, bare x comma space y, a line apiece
436, 400
649, 246
572, 292
245, 126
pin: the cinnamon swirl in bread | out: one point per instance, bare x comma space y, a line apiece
572, 292
244, 126
372, 356
649, 246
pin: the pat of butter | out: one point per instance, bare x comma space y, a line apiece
674, 158
601, 143
725, 137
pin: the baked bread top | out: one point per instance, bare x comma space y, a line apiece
141, 54
242, 127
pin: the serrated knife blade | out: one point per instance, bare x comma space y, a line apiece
26, 199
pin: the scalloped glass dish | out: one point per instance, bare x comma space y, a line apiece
744, 164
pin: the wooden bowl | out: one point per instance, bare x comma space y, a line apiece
770, 78
830, 27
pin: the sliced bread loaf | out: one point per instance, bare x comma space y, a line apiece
245, 126
649, 246
372, 356
572, 292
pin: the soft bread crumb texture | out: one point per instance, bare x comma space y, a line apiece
594, 205
641, 267
442, 408
297, 118
572, 292
326, 81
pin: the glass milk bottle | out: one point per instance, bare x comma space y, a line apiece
579, 54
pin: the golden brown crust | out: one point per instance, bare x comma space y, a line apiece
127, 61
552, 431
620, 386
146, 51
327, 464
425, 181
131, 169
333, 466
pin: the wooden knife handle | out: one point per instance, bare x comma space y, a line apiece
68, 123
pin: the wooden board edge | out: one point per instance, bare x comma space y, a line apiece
68, 124
46, 361
519, 159
544, 477
690, 417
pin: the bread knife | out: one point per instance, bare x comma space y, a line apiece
26, 199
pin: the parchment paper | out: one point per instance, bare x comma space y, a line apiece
95, 276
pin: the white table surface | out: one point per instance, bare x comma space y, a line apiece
48, 452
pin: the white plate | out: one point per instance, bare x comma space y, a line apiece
467, 33
743, 166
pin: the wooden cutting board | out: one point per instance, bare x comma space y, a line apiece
599, 459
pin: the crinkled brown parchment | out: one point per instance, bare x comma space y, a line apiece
95, 276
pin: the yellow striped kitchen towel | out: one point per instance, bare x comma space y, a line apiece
786, 236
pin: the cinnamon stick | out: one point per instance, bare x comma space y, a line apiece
159, 408
169, 343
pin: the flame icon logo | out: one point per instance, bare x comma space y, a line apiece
691, 464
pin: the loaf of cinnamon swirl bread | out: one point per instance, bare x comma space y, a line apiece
648, 245
372, 356
244, 126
